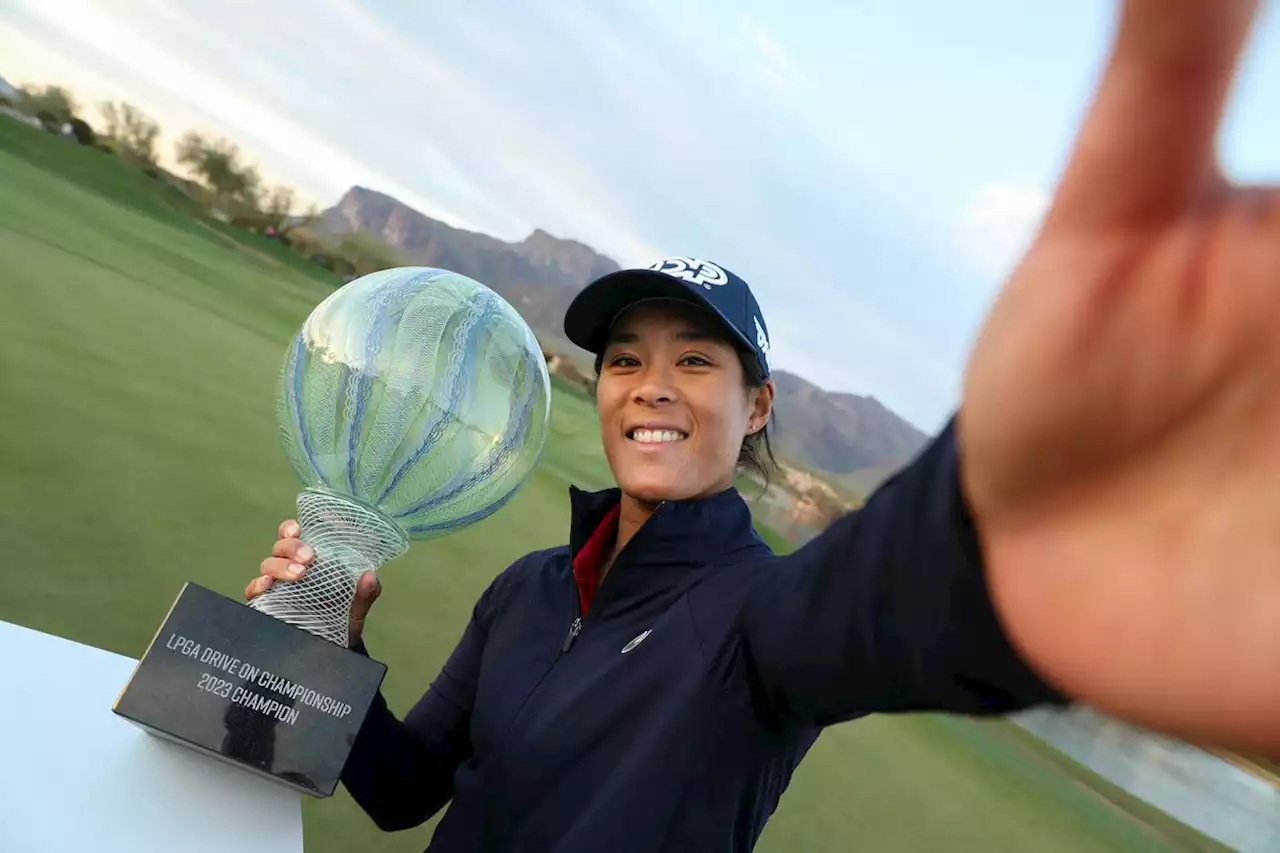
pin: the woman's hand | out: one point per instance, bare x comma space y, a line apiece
1120, 429
289, 559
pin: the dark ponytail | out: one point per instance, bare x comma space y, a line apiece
756, 455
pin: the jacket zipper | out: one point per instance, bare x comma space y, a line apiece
575, 627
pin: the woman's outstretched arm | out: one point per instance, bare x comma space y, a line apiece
1103, 515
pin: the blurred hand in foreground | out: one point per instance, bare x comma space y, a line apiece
1120, 424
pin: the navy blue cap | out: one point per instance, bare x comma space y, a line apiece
591, 315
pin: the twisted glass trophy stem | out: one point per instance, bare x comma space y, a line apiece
349, 539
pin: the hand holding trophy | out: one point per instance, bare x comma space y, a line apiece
413, 402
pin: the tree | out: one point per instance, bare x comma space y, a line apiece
365, 254
132, 131
305, 224
53, 104
277, 206
236, 187
83, 133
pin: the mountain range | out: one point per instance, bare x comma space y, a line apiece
847, 439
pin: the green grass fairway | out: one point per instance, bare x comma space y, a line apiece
139, 350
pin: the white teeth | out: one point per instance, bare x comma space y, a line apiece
656, 436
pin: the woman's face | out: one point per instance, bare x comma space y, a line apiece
673, 404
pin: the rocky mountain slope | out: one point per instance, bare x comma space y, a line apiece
851, 439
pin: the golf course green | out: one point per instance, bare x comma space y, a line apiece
139, 349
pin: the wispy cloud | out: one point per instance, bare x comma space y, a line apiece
778, 66
996, 229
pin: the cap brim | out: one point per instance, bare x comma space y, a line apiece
591, 315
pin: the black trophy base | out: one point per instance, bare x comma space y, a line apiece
235, 684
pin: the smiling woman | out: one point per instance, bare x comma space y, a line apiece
735, 659
684, 396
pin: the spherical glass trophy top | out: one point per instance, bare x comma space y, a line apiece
413, 402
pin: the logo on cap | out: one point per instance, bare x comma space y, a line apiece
693, 271
762, 340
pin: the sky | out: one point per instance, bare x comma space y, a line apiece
873, 169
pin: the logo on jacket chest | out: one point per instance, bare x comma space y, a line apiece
637, 640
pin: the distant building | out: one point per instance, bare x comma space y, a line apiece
8, 90
558, 365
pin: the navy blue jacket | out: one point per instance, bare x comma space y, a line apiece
549, 740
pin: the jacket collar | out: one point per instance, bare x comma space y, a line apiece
685, 532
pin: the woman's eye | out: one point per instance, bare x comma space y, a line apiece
694, 361
623, 361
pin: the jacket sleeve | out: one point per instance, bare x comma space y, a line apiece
888, 610
401, 772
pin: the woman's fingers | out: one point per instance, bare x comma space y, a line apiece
289, 559
293, 550
274, 569
257, 587
1145, 151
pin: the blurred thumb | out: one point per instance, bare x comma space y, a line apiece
368, 588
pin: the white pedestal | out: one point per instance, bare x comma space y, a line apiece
74, 776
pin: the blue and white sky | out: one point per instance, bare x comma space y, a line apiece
873, 168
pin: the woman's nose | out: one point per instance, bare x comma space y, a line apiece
656, 388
